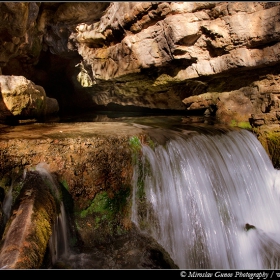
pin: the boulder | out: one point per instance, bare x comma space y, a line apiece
22, 99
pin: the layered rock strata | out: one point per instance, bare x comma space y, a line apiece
147, 54
164, 55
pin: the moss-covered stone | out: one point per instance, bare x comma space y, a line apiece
28, 230
106, 216
245, 125
269, 136
12, 179
273, 146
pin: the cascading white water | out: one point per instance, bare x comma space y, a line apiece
59, 244
7, 204
200, 192
59, 241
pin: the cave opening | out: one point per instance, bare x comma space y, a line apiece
58, 76
54, 73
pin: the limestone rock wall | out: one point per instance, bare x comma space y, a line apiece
148, 54
257, 102
218, 57
28, 30
161, 55
208, 38
156, 54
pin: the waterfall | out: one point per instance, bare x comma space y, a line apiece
7, 205
8, 201
211, 200
59, 241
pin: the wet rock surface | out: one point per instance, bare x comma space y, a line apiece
67, 148
28, 230
90, 158
130, 251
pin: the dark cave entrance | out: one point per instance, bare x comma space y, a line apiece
58, 76
55, 73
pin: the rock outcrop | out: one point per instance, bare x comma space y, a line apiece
93, 160
22, 99
163, 55
159, 55
217, 58
258, 102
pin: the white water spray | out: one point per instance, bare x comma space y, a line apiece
7, 204
212, 201
59, 241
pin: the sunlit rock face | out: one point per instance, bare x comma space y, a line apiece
22, 99
157, 55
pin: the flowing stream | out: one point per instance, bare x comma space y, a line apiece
211, 200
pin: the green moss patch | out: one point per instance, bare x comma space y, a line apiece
273, 145
244, 125
269, 137
135, 146
64, 184
105, 216
106, 206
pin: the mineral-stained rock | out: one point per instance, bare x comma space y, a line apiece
138, 53
221, 57
91, 156
157, 55
269, 136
